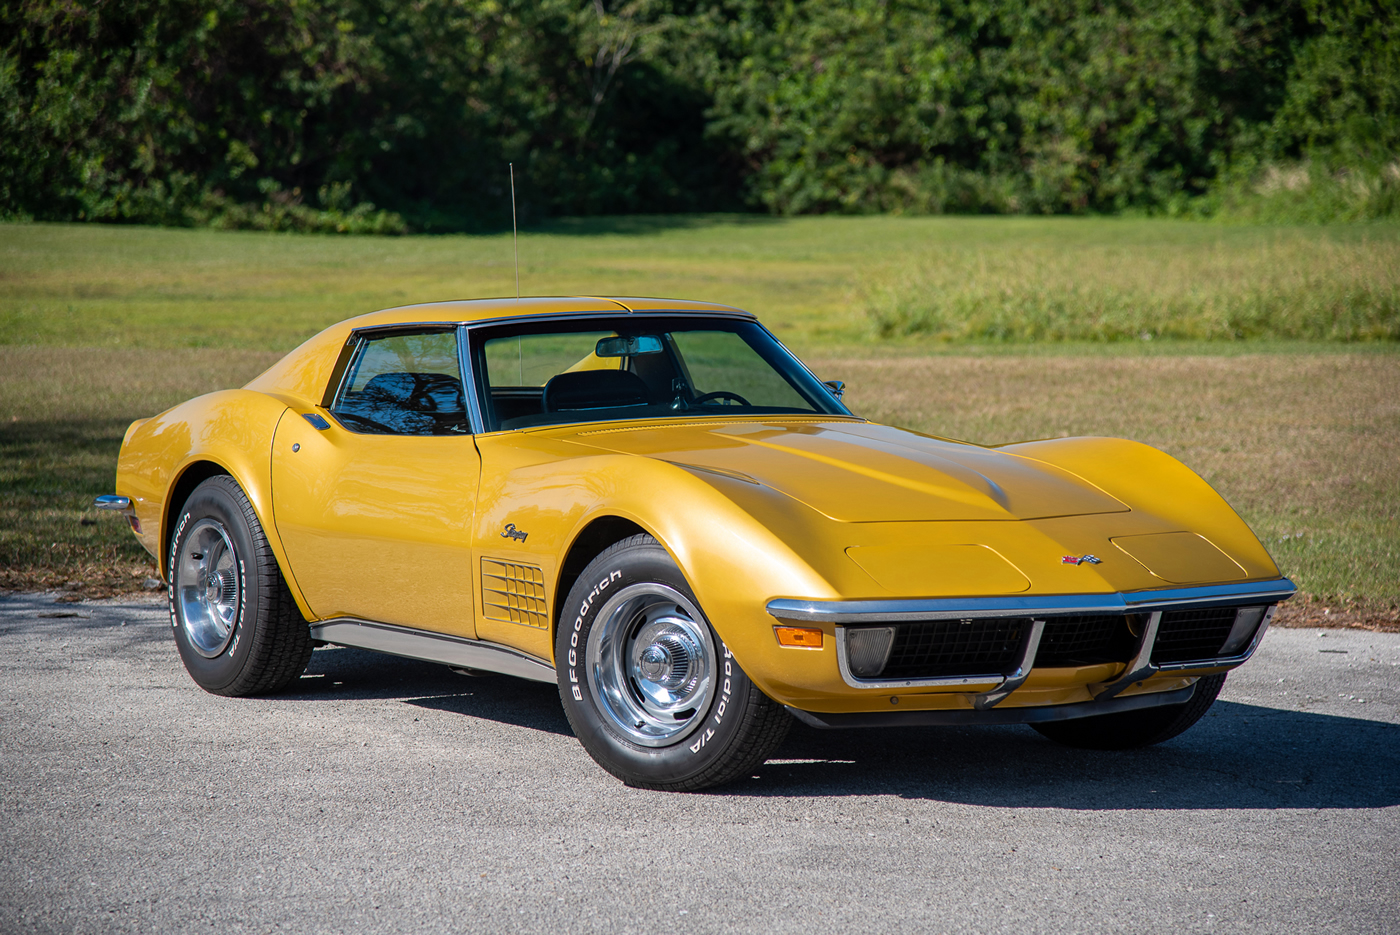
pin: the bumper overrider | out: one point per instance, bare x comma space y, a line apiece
989, 645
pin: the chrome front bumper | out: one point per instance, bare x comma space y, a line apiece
1053, 605
996, 686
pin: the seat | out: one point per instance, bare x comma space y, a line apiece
595, 389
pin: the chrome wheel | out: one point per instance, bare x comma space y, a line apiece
207, 587
650, 662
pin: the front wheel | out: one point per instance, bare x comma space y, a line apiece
1129, 729
651, 691
237, 628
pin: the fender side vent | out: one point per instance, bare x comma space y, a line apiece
513, 593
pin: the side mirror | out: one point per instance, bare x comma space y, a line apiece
837, 387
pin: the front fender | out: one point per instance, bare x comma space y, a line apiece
738, 544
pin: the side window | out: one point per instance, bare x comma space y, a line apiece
404, 384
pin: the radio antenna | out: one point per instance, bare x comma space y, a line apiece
514, 231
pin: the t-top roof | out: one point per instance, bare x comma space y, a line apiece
301, 377
473, 310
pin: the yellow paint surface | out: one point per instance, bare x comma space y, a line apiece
1180, 557
417, 530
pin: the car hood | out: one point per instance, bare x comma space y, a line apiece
857, 472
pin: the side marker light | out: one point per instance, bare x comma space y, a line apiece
800, 637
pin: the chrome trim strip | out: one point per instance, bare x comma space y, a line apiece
620, 312
475, 418
1055, 605
802, 364
996, 679
432, 647
1017, 676
728, 310
1003, 684
110, 501
342, 364
440, 325
1141, 665
963, 717
1257, 592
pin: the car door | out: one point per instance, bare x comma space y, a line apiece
374, 497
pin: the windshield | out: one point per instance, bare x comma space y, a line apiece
603, 369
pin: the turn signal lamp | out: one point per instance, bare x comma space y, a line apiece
800, 637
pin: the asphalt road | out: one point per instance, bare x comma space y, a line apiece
382, 795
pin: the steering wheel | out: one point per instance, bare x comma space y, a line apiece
722, 394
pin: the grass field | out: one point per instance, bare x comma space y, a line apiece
99, 325
1294, 285
817, 282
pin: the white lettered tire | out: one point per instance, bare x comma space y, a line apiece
236, 625
653, 694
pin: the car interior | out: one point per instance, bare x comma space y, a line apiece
409, 384
547, 379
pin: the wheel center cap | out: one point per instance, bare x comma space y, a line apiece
655, 663
213, 587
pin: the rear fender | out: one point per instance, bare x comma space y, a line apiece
231, 430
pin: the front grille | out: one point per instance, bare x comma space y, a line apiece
942, 648
952, 648
1187, 635
1085, 641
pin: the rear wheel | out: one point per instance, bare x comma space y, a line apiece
237, 628
653, 694
1129, 729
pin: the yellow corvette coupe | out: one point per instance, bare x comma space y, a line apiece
653, 504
